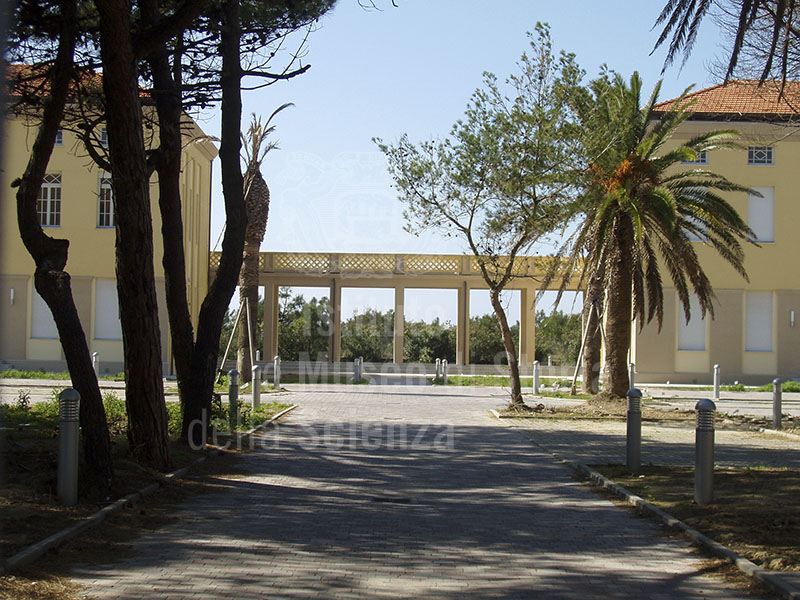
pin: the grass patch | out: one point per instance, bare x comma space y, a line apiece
29, 508
42, 374
754, 511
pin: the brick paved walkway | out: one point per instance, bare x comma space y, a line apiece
398, 493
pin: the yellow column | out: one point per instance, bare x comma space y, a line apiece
270, 322
462, 326
335, 325
399, 322
527, 327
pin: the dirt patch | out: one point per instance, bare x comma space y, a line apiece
754, 512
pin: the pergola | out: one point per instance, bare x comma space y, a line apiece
397, 271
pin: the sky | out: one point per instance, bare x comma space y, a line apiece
412, 69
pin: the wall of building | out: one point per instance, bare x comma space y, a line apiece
657, 355
91, 262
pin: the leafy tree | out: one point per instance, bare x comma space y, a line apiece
486, 345
501, 178
639, 212
370, 335
425, 342
558, 335
303, 327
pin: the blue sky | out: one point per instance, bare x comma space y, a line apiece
412, 70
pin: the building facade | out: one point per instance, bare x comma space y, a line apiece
75, 203
755, 333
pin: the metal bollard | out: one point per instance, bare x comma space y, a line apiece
276, 362
716, 382
69, 401
536, 377
549, 360
258, 355
355, 370
444, 371
360, 368
438, 368
256, 383
632, 374
634, 433
96, 363
233, 398
777, 396
704, 452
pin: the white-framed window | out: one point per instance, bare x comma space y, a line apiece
105, 202
702, 159
104, 137
761, 214
759, 155
106, 310
691, 333
758, 322
60, 137
42, 324
48, 204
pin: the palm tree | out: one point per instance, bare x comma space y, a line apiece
257, 206
638, 213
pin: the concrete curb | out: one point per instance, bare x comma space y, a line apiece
784, 588
31, 553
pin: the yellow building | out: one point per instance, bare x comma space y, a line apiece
75, 204
755, 333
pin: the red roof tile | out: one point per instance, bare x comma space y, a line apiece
744, 97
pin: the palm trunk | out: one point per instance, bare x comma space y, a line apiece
590, 363
511, 350
248, 292
618, 309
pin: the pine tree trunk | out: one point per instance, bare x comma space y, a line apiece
511, 350
618, 309
590, 362
147, 418
212, 312
50, 256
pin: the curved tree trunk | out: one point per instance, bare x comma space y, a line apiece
618, 309
511, 350
50, 256
592, 342
141, 337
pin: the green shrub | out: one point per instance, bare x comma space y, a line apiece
116, 415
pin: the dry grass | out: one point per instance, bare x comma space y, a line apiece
754, 513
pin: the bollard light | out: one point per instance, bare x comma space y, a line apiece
256, 383
536, 377
355, 370
68, 436
777, 397
96, 363
360, 369
444, 371
704, 452
277, 371
632, 374
716, 382
233, 398
634, 430
438, 368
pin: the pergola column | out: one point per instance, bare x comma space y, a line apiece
335, 325
399, 322
270, 324
527, 327
462, 325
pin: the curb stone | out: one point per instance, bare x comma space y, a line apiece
784, 588
35, 551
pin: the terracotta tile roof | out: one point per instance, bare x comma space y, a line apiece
744, 98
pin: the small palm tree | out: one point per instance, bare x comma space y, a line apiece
638, 214
255, 147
